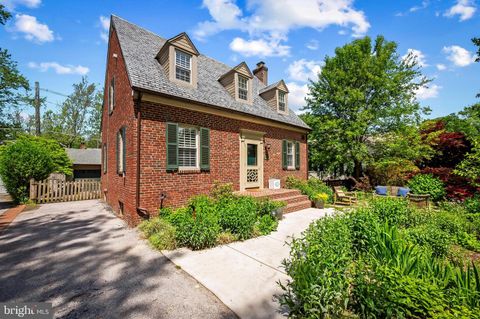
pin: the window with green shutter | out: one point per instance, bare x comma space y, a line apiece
204, 148
297, 155
172, 146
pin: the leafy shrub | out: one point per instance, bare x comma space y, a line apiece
226, 238
30, 157
196, 225
311, 187
434, 238
319, 266
238, 215
159, 232
472, 204
220, 190
395, 211
267, 206
427, 184
266, 224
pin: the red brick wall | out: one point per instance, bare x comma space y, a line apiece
119, 188
224, 155
224, 149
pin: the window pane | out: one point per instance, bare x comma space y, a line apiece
251, 154
281, 101
187, 147
182, 65
242, 88
289, 154
182, 74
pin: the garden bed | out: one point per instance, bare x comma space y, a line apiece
212, 220
387, 260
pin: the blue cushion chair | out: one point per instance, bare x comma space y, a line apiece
381, 190
403, 191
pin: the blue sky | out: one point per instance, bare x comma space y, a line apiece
56, 42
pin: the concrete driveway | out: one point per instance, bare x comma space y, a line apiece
85, 261
244, 275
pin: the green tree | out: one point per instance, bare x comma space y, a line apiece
78, 120
364, 91
12, 83
476, 41
30, 157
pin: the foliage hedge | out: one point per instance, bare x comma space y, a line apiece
310, 187
386, 260
30, 157
429, 185
210, 220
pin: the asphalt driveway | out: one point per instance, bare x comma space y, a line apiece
244, 275
85, 261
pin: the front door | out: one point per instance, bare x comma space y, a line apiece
251, 163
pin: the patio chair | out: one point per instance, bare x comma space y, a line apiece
343, 198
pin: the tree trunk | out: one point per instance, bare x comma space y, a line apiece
357, 170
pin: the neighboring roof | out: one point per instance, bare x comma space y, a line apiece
87, 156
139, 49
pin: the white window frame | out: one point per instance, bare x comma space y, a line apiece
284, 95
111, 96
197, 147
292, 145
241, 77
183, 67
120, 156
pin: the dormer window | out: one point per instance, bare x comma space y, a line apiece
183, 66
282, 104
242, 88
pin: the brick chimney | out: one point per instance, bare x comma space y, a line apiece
261, 72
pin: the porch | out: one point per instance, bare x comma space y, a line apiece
294, 199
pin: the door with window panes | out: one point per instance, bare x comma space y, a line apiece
251, 163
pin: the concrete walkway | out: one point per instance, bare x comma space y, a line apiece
244, 275
85, 261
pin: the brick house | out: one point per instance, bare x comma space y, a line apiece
174, 121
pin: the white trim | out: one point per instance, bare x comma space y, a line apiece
291, 143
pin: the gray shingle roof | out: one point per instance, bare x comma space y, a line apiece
139, 49
88, 156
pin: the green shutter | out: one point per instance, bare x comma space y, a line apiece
172, 146
297, 155
284, 154
204, 148
117, 148
124, 148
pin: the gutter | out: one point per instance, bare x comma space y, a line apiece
140, 211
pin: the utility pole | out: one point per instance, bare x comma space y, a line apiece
37, 108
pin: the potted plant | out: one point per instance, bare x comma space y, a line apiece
320, 199
277, 209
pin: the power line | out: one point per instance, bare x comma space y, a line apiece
53, 92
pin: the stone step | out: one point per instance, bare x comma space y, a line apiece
292, 199
281, 194
290, 208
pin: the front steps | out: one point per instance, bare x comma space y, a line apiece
294, 199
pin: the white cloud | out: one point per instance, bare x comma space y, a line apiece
296, 97
422, 6
259, 47
459, 56
441, 67
275, 18
428, 92
58, 68
32, 29
417, 55
105, 25
463, 8
11, 4
302, 70
312, 45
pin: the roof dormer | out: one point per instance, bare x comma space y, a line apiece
238, 82
276, 96
178, 56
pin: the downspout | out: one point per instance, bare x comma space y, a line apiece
140, 211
